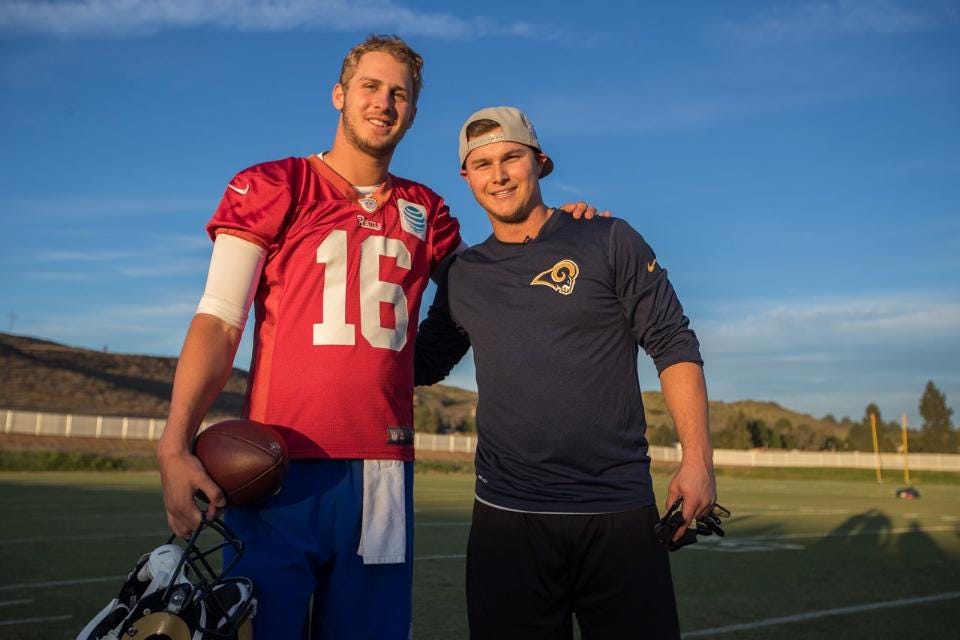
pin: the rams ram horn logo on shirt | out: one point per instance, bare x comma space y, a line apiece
413, 218
560, 277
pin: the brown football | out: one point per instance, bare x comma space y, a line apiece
246, 459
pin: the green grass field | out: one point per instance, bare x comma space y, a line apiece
804, 558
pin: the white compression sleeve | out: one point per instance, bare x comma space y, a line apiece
235, 268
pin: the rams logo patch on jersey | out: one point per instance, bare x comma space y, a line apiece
561, 277
413, 218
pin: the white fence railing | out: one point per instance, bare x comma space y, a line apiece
750, 457
56, 424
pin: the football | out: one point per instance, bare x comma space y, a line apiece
246, 459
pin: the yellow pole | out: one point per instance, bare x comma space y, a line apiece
876, 446
906, 466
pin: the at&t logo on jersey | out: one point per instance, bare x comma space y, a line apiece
413, 218
561, 277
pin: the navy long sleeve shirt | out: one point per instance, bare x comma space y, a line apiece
555, 325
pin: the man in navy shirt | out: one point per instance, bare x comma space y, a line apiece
556, 311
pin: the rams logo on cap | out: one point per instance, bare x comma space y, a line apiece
561, 277
413, 218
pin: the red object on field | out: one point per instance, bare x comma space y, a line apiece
247, 459
908, 493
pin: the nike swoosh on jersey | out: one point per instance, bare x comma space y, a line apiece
651, 265
242, 192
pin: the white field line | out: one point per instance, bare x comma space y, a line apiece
158, 532
812, 615
795, 513
802, 513
783, 536
74, 515
7, 603
85, 536
78, 581
60, 583
7, 623
842, 534
786, 536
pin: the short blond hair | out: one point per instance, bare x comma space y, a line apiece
385, 43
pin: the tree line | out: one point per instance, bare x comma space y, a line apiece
936, 434
428, 419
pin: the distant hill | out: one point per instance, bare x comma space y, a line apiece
39, 375
720, 414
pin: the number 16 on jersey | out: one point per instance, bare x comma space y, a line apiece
335, 330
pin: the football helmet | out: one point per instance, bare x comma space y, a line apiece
174, 593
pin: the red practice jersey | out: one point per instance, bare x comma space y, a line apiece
337, 304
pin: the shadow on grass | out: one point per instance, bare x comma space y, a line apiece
873, 530
868, 533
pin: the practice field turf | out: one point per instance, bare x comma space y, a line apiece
802, 559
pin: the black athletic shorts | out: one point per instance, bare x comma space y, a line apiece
528, 574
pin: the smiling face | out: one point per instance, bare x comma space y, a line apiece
504, 178
376, 105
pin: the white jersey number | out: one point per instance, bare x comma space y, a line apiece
334, 330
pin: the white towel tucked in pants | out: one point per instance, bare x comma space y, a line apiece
383, 532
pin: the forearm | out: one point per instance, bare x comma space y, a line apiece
205, 365
685, 393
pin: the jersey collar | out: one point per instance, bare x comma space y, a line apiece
366, 203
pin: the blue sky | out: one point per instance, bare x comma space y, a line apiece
796, 165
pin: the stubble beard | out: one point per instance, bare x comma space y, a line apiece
382, 150
517, 213
519, 216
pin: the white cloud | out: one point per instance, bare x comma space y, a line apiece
835, 355
566, 188
819, 20
97, 206
172, 267
685, 100
807, 330
178, 308
156, 327
77, 256
152, 254
60, 276
132, 17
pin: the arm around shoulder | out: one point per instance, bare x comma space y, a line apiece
441, 343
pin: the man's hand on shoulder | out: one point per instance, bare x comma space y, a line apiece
182, 476
582, 210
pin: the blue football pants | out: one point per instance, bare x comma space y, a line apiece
302, 545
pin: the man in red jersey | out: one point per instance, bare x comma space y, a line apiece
335, 253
